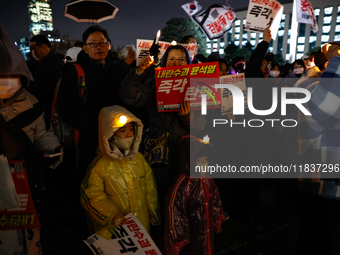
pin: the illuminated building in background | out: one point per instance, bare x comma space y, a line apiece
40, 14
327, 15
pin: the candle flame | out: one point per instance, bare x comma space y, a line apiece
173, 43
152, 59
159, 33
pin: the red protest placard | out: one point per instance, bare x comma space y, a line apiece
25, 216
188, 82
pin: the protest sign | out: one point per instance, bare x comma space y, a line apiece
130, 237
264, 13
216, 20
305, 14
187, 82
143, 47
24, 216
226, 97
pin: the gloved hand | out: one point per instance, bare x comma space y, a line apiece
154, 50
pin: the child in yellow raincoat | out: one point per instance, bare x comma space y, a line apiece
119, 180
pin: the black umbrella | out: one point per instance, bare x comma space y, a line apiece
94, 11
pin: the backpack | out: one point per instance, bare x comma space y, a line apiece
68, 136
16, 146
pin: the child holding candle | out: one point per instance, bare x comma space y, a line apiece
119, 180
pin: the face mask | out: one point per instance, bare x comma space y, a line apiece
298, 70
274, 73
203, 168
123, 144
8, 87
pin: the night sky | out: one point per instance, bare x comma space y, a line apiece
134, 20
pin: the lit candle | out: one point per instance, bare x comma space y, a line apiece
173, 43
157, 36
151, 59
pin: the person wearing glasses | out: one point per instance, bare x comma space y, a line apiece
102, 79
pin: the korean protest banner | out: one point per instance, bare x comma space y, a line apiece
264, 13
187, 82
191, 8
143, 47
305, 13
24, 216
237, 80
130, 237
216, 20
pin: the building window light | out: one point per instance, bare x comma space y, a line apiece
299, 55
312, 39
337, 38
300, 48
221, 51
244, 43
326, 29
301, 40
209, 51
208, 40
237, 43
252, 42
253, 35
237, 22
270, 49
287, 57
237, 37
338, 19
328, 10
244, 22
280, 32
327, 20
215, 45
283, 17
245, 36
215, 40
237, 29
324, 38
337, 28
317, 12
222, 44
209, 46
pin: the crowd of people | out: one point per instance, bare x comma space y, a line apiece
109, 105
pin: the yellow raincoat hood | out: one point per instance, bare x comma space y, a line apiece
109, 123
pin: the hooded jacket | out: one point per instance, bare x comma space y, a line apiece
116, 185
13, 63
194, 209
